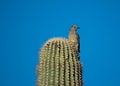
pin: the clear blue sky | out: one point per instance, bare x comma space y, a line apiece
25, 25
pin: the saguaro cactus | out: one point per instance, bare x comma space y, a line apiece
59, 64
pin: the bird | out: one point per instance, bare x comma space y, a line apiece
74, 37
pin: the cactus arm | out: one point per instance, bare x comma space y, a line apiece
59, 64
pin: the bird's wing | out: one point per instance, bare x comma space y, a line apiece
78, 39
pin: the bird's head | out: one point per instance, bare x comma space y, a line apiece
74, 27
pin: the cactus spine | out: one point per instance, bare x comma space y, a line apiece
59, 64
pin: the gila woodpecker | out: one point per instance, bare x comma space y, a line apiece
74, 37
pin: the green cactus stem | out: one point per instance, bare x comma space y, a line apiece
59, 64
